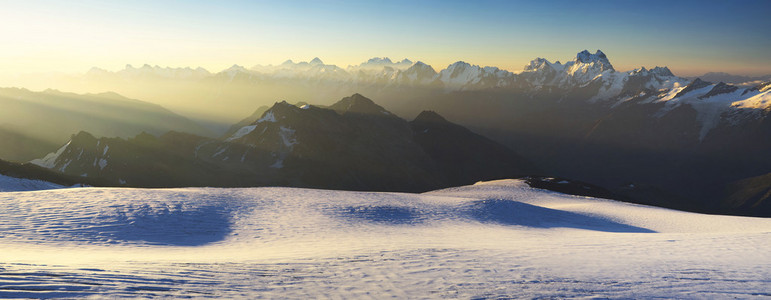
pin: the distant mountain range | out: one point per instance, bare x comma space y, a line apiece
34, 123
648, 134
733, 79
316, 82
645, 132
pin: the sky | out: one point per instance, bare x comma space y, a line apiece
690, 37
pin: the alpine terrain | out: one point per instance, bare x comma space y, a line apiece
353, 144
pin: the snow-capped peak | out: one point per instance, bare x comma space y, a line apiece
418, 73
661, 71
316, 61
405, 62
379, 61
379, 64
460, 74
148, 71
236, 68
585, 67
538, 64
598, 58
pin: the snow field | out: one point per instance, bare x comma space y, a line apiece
493, 239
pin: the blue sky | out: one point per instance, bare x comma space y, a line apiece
691, 37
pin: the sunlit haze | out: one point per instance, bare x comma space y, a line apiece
359, 149
690, 37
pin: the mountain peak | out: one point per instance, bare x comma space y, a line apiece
598, 57
459, 65
420, 66
586, 56
699, 83
661, 71
82, 136
357, 103
280, 110
718, 89
235, 69
537, 64
379, 60
430, 116
694, 85
316, 61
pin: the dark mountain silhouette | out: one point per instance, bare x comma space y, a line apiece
354, 144
31, 171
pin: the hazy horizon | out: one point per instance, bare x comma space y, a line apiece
691, 38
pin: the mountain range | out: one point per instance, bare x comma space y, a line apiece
646, 133
741, 80
389, 81
353, 144
34, 123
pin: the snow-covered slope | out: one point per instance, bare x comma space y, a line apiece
13, 184
498, 239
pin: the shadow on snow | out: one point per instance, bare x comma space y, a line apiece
393, 215
508, 212
169, 225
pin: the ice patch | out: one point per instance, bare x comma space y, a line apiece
711, 109
672, 92
287, 136
278, 164
49, 161
288, 139
268, 117
242, 132
64, 167
221, 150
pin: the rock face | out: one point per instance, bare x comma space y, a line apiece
353, 144
463, 156
750, 194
